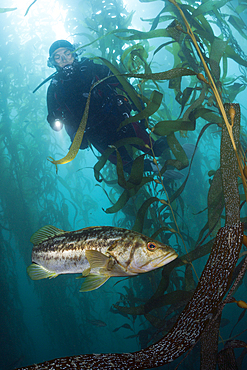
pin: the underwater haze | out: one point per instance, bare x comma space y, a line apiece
192, 81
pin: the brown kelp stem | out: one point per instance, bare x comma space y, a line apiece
167, 202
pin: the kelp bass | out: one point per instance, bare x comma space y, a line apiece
97, 252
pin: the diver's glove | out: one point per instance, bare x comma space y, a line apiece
57, 125
55, 122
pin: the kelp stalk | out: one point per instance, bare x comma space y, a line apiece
216, 94
229, 167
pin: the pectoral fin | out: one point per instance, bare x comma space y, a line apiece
37, 272
96, 259
92, 282
105, 265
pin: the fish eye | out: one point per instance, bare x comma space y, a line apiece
151, 246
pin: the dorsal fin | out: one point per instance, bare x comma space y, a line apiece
44, 233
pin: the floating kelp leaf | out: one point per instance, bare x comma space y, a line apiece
154, 303
136, 174
163, 46
139, 35
5, 10
154, 321
207, 114
113, 32
163, 228
130, 91
175, 30
101, 162
202, 232
235, 344
164, 128
137, 58
238, 24
97, 323
209, 6
123, 199
125, 326
241, 316
132, 48
167, 299
178, 152
216, 53
138, 226
233, 90
29, 7
202, 25
215, 203
104, 157
156, 20
226, 359
240, 8
175, 84
182, 98
230, 53
189, 282
120, 172
167, 75
206, 36
152, 107
211, 173
181, 188
163, 18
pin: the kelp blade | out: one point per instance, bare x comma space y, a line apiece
5, 10
77, 140
152, 107
104, 157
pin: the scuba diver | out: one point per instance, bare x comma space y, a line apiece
66, 100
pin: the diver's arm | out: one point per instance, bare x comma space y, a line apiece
55, 116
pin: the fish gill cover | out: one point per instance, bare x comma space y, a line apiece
188, 301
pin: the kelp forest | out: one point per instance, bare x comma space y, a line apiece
183, 66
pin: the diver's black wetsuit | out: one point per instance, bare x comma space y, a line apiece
66, 100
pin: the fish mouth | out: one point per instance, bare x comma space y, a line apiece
155, 263
160, 261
